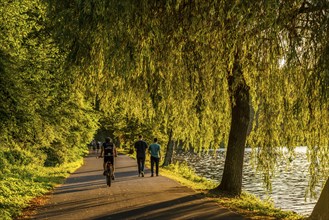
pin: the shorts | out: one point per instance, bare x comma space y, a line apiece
109, 158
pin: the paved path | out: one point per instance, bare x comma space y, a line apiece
86, 196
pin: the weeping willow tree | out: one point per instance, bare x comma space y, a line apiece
197, 67
133, 67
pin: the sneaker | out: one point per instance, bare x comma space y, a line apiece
151, 175
142, 174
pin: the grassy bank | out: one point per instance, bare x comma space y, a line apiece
247, 204
20, 184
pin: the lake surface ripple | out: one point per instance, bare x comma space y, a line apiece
289, 185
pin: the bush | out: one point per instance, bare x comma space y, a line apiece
57, 154
3, 161
54, 157
18, 156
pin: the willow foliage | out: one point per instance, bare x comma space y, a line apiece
169, 61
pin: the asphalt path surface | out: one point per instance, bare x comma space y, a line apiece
85, 195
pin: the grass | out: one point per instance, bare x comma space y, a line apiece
254, 208
246, 204
19, 185
182, 173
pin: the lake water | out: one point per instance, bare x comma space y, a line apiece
288, 186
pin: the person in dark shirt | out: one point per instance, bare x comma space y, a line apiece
140, 147
98, 146
108, 151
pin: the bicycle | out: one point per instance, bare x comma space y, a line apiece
108, 173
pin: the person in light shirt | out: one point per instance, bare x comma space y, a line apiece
155, 152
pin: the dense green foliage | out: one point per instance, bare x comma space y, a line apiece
40, 111
161, 66
45, 122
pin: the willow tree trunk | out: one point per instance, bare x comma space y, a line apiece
239, 92
321, 209
169, 151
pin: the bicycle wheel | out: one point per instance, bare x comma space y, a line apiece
109, 175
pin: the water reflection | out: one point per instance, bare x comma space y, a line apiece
288, 186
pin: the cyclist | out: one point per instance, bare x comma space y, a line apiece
109, 151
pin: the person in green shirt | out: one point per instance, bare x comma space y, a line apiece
154, 150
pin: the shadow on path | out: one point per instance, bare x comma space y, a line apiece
85, 195
190, 207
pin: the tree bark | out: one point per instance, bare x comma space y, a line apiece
232, 176
321, 209
169, 151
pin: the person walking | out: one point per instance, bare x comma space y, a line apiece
154, 150
93, 145
140, 147
98, 146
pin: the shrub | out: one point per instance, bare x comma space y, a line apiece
18, 156
54, 157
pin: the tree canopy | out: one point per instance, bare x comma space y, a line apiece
174, 58
40, 111
175, 67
